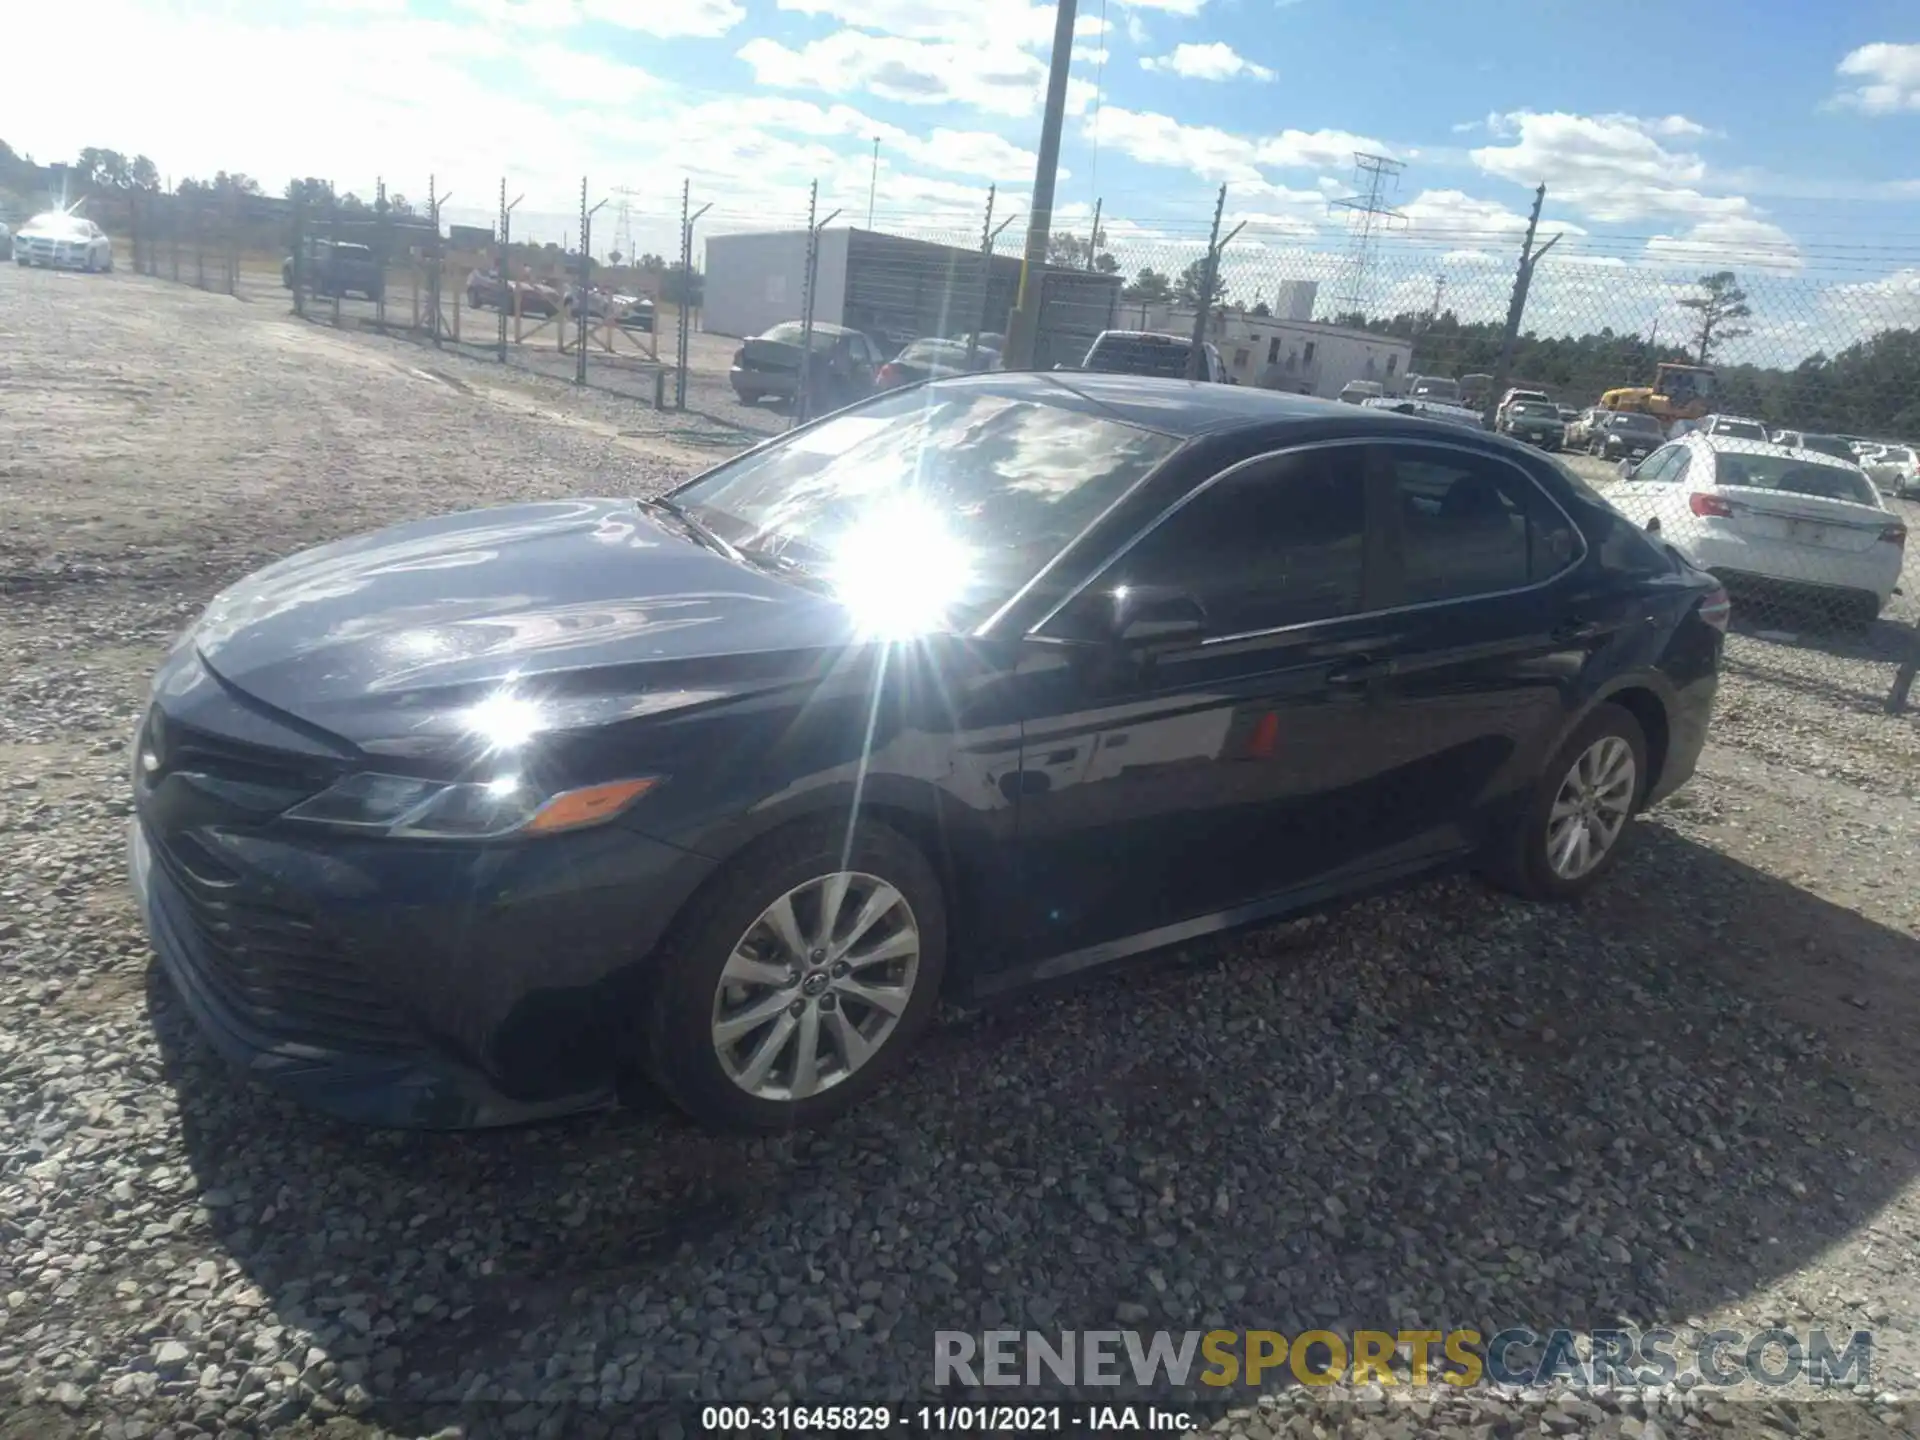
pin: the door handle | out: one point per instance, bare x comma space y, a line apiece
1575, 632
1359, 672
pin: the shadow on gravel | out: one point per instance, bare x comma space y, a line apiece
1432, 1109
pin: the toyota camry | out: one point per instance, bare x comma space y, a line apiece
978, 682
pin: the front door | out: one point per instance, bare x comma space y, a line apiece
1162, 784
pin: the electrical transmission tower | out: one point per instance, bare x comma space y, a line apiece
1368, 213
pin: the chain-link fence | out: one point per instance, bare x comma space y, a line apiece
1755, 405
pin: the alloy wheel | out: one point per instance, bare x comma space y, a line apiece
1591, 807
816, 986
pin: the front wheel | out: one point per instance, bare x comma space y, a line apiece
1576, 818
798, 980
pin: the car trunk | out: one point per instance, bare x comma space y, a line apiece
1809, 520
776, 356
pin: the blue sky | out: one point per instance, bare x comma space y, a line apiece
1779, 138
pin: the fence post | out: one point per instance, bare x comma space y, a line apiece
503, 263
199, 241
382, 241
133, 227
987, 232
1903, 678
333, 239
583, 300
1203, 302
434, 258
804, 380
297, 258
684, 307
232, 246
1516, 307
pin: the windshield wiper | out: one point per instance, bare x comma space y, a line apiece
699, 530
785, 566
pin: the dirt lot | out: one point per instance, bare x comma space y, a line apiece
1689, 1102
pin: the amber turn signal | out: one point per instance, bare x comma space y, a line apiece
589, 805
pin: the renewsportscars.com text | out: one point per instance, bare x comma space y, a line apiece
1517, 1355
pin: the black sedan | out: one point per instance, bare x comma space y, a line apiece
978, 682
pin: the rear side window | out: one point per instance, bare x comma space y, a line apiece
1279, 543
1469, 525
1139, 355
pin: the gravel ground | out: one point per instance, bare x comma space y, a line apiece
1688, 1102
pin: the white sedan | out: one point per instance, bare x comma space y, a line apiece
1748, 510
63, 241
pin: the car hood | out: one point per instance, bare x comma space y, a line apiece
387, 639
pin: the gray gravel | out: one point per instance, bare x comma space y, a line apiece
1688, 1102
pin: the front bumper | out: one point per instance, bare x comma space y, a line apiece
402, 983
50, 258
781, 384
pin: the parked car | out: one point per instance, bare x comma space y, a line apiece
338, 267
629, 312
931, 360
924, 698
1145, 352
841, 369
1358, 392
1758, 512
1583, 431
1534, 422
1895, 469
1735, 427
62, 241
1427, 410
1836, 446
1438, 388
1626, 435
488, 289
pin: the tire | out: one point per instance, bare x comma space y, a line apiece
748, 397
1521, 861
682, 1053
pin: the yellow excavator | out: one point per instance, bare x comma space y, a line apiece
1679, 392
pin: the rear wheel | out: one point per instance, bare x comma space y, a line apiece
1576, 819
799, 980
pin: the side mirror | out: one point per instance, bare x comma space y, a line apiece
1627, 467
1154, 615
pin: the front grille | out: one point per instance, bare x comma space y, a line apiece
276, 970
264, 774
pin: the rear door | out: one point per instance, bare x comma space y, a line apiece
1483, 650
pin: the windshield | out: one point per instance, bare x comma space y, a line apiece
936, 352
1437, 390
1637, 422
1740, 429
1139, 355
1535, 410
1828, 445
1794, 477
54, 222
924, 509
353, 252
1896, 455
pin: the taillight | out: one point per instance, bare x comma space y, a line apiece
1895, 534
1717, 609
889, 374
1702, 503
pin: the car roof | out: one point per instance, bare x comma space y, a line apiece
1191, 408
1735, 445
1160, 335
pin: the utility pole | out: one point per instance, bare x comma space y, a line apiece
1023, 329
1209, 275
685, 305
1517, 306
503, 267
873, 180
1093, 239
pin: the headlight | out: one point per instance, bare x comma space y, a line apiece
399, 805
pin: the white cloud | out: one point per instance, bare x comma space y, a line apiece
1185, 8
1015, 22
1215, 60
1161, 140
1731, 241
668, 18
1317, 149
1613, 168
999, 79
583, 76
1136, 30
1886, 79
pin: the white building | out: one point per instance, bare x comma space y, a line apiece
1308, 358
1295, 299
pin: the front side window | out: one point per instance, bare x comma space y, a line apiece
1279, 543
1472, 526
922, 496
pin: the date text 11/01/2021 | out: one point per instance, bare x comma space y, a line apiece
938, 1419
